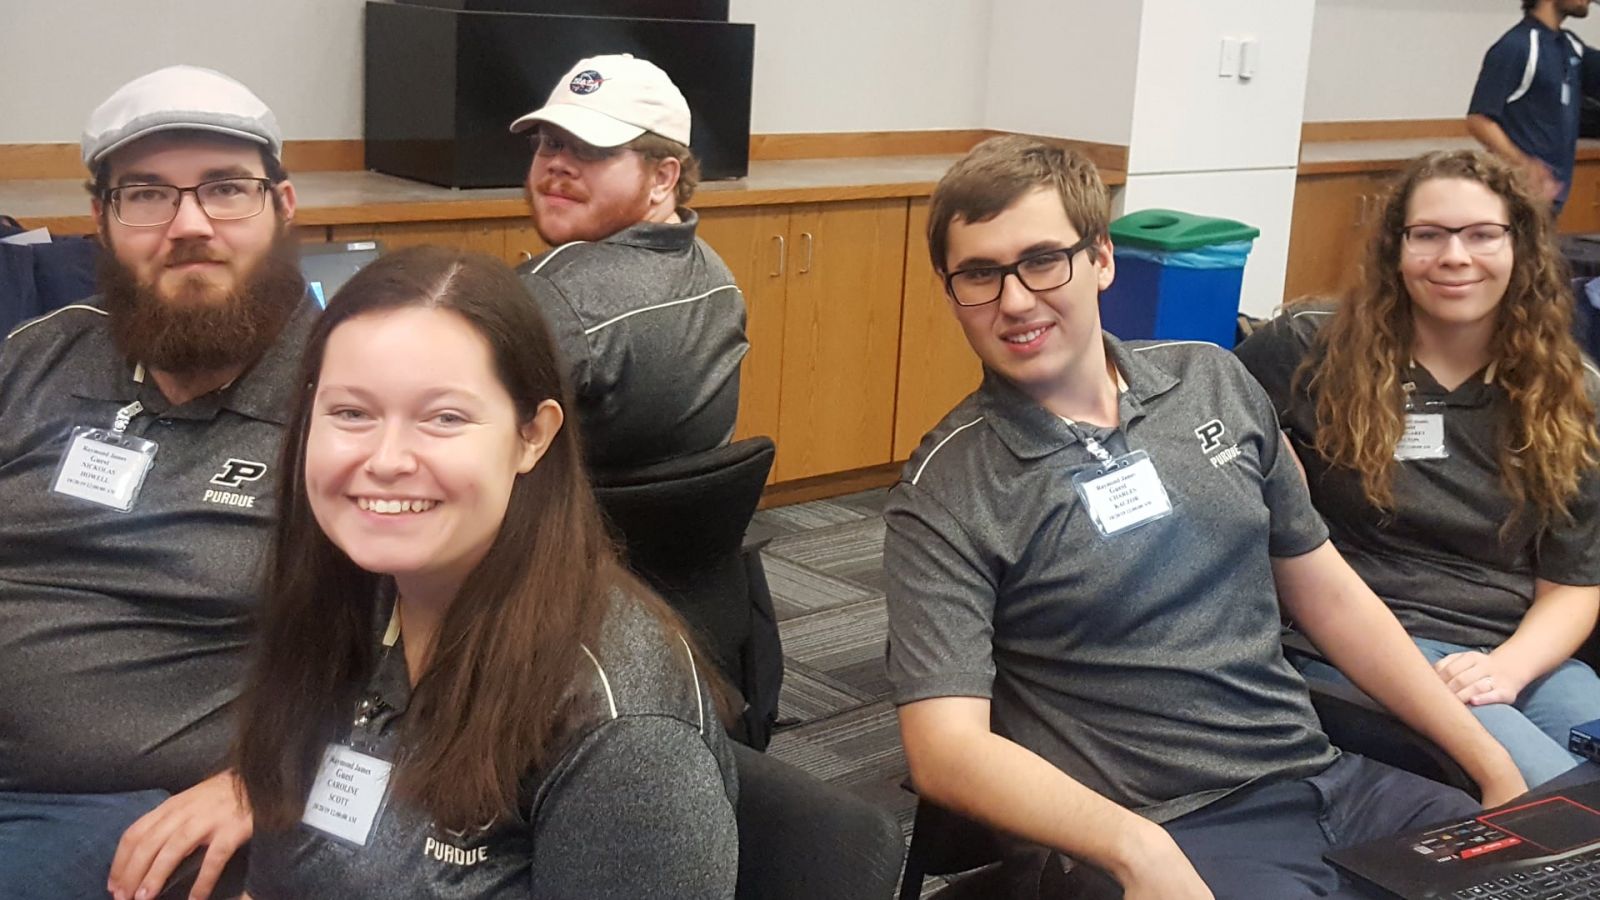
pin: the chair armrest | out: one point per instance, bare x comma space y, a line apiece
1355, 722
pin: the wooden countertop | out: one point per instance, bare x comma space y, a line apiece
346, 198
1360, 157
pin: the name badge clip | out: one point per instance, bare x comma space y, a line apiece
106, 465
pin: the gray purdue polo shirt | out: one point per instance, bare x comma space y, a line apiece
640, 803
1146, 665
652, 328
123, 634
1440, 559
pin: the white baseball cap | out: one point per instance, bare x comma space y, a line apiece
179, 98
609, 100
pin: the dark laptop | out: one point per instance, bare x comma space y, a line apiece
326, 267
1545, 845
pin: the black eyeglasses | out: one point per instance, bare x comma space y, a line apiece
222, 199
1038, 272
1479, 238
546, 144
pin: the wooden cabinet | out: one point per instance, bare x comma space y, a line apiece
822, 285
1332, 222
841, 337
937, 366
1581, 215
751, 240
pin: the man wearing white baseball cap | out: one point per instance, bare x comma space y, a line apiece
647, 315
139, 439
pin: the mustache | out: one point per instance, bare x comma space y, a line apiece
560, 186
191, 252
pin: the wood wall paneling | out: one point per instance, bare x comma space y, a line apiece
1581, 215
64, 160
937, 366
1383, 129
1331, 224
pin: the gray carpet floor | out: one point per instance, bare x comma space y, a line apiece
824, 565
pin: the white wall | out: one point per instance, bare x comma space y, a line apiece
1219, 146
1186, 118
60, 58
1406, 59
821, 65
867, 65
1063, 68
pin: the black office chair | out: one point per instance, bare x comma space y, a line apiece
681, 525
1355, 722
803, 839
947, 843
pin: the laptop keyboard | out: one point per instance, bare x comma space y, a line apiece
1570, 879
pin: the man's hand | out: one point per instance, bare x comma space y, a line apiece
212, 813
1546, 186
1158, 870
1479, 679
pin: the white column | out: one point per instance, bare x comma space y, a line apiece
1148, 74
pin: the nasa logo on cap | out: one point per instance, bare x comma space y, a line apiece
586, 82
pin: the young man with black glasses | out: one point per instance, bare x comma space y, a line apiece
139, 440
1088, 560
648, 316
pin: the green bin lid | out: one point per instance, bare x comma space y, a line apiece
1168, 229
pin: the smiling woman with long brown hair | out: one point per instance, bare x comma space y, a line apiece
1446, 420
459, 692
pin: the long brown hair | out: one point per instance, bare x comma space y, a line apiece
493, 703
1548, 440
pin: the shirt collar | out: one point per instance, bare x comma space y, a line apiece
1030, 431
263, 392
389, 679
660, 236
1475, 391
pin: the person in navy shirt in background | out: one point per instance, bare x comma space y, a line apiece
1529, 92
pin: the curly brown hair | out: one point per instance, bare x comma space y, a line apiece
1548, 439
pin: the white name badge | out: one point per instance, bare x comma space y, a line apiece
348, 794
104, 467
1423, 437
1124, 494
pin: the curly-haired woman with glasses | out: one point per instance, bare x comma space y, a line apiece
1446, 421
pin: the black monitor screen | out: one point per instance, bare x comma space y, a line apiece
327, 267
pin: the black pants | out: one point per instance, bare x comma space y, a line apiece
1267, 841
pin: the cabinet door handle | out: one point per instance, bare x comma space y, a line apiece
810, 242
524, 256
783, 256
1362, 213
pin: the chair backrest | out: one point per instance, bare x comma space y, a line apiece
945, 843
1355, 722
804, 839
681, 524
680, 517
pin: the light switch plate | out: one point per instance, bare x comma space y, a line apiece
1229, 65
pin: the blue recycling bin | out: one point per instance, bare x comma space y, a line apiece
1178, 276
